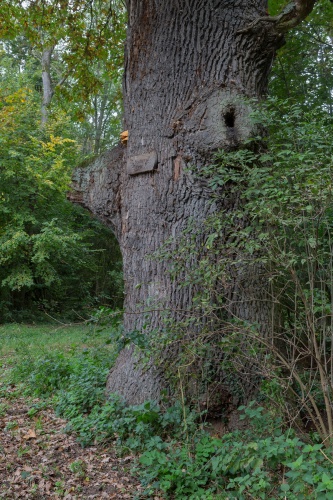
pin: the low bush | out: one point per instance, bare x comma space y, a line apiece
76, 376
239, 465
86, 384
131, 428
44, 375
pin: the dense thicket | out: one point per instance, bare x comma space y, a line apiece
302, 71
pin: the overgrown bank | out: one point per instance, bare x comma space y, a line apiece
177, 455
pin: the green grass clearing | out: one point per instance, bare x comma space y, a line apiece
17, 340
38, 360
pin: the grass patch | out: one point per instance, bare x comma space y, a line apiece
39, 359
17, 339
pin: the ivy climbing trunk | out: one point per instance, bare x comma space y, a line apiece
188, 68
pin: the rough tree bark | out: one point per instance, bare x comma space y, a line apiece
188, 67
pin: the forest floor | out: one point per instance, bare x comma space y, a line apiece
38, 459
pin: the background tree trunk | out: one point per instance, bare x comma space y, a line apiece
47, 83
188, 67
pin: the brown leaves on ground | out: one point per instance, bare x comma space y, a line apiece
38, 461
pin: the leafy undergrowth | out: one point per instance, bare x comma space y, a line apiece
168, 450
37, 458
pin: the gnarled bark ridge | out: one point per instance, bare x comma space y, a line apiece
96, 185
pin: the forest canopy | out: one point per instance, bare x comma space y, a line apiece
60, 104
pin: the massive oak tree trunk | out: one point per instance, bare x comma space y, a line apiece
188, 67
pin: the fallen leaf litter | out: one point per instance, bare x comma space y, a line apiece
38, 460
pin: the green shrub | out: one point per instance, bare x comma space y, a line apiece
77, 377
132, 427
43, 375
85, 389
239, 465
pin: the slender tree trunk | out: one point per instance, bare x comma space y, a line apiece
47, 83
99, 119
189, 66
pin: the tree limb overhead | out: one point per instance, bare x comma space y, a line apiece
290, 17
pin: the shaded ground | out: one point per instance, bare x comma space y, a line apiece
38, 460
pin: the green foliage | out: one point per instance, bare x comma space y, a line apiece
261, 461
85, 387
86, 43
52, 254
278, 237
80, 377
50, 359
96, 420
178, 457
44, 375
242, 464
302, 69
